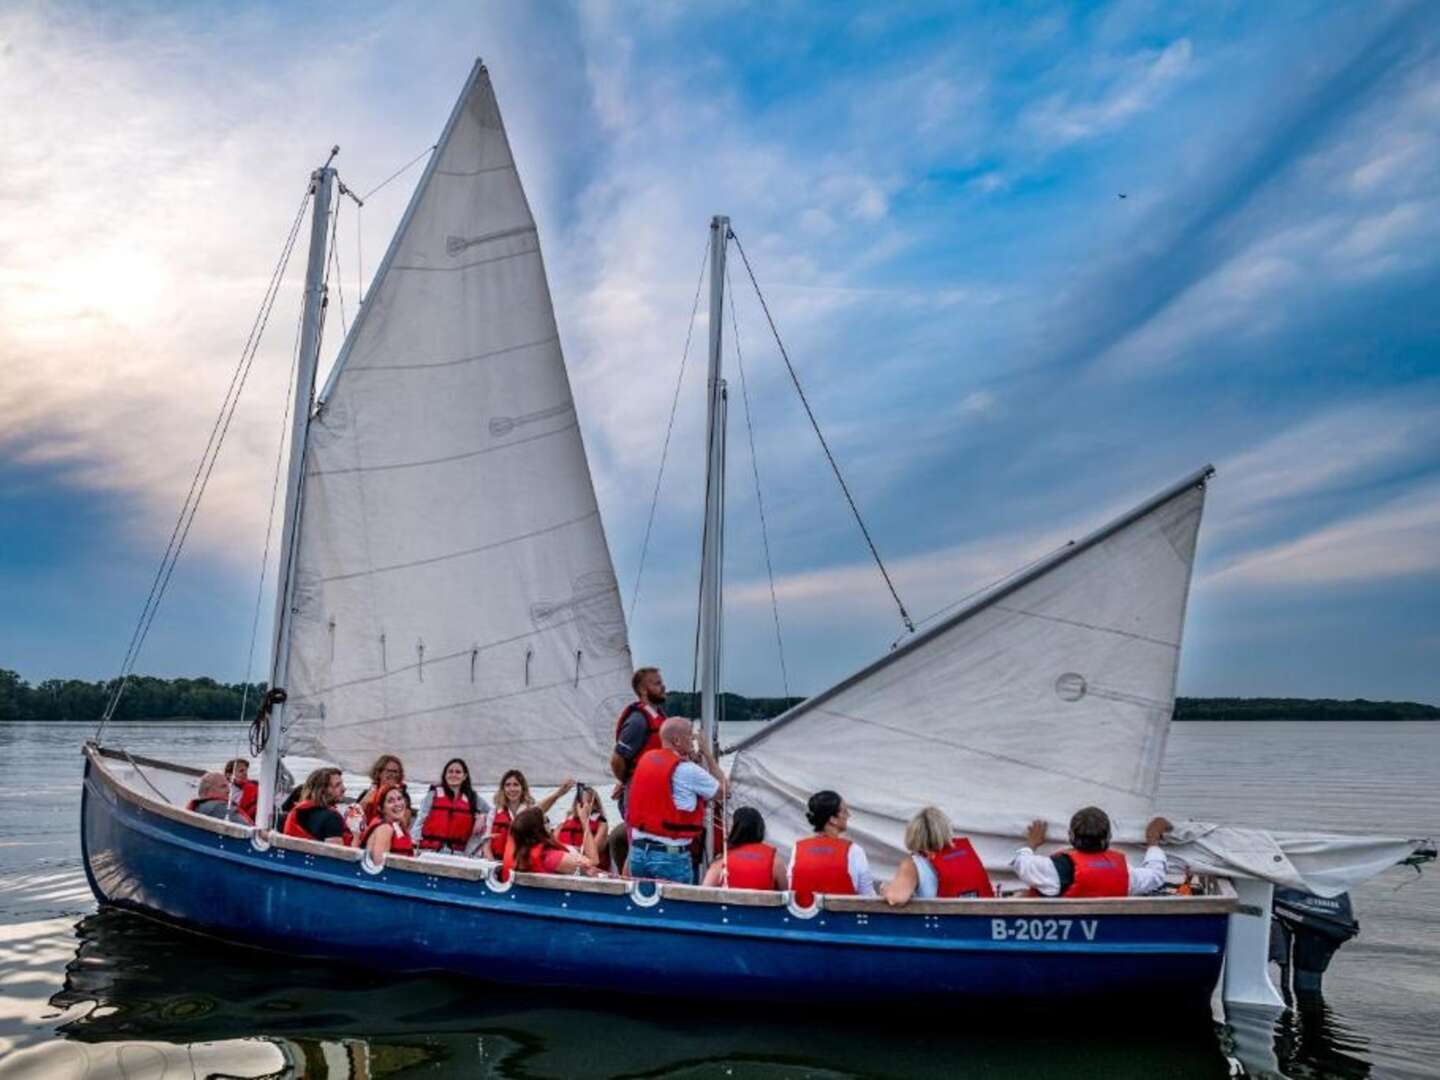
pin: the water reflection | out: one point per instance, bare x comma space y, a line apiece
1314, 1040
189, 1006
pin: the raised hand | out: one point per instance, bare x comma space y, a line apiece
1035, 834
1157, 828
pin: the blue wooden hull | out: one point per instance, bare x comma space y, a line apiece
303, 904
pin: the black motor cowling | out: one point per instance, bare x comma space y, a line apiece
1305, 934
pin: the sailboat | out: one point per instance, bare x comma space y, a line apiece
445, 589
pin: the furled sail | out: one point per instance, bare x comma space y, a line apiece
454, 595
1049, 693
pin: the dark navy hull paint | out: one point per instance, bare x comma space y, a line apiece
304, 905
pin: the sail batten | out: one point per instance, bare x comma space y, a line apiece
454, 592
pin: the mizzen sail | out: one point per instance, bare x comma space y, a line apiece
1047, 694
454, 594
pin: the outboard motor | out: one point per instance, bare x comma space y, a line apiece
1305, 934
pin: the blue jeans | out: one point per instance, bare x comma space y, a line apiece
654, 862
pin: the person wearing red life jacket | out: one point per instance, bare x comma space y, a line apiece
581, 820
387, 832
313, 817
452, 816
511, 797
666, 806
387, 770
827, 862
747, 861
1090, 867
637, 731
940, 864
532, 848
244, 792
212, 800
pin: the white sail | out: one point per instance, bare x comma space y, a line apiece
1050, 693
454, 595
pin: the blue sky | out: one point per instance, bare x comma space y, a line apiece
1003, 351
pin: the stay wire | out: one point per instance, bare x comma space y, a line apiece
755, 470
399, 172
270, 521
335, 263
986, 588
201, 476
834, 466
209, 445
669, 430
209, 469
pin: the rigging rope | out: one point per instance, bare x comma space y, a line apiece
986, 588
755, 470
335, 262
270, 523
398, 172
201, 478
669, 429
834, 466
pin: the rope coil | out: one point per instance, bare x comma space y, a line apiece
260, 726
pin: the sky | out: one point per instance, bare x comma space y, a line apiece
1032, 263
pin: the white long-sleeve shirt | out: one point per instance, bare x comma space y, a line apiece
1038, 871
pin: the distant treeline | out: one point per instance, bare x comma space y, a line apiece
732, 706
145, 698
1233, 708
148, 698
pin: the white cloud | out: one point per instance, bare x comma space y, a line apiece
1354, 444
145, 189
1399, 539
1139, 86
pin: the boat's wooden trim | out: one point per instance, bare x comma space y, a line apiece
733, 897
157, 806
419, 864
316, 847
138, 759
1048, 907
574, 883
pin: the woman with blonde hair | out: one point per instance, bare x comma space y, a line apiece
511, 797
941, 864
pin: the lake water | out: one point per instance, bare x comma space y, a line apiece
87, 993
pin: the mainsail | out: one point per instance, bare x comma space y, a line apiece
1049, 693
454, 594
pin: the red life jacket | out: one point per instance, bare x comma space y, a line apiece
750, 866
960, 870
654, 718
650, 806
249, 798
1098, 873
400, 842
822, 865
499, 832
293, 827
449, 823
571, 833
512, 860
